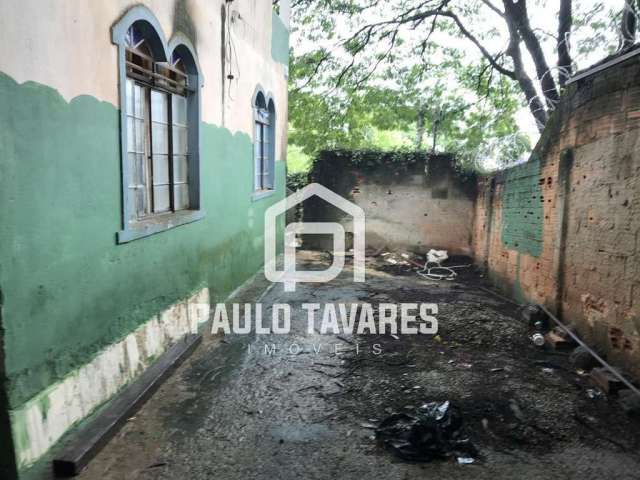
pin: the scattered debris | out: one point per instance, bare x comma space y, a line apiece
432, 431
310, 387
434, 270
326, 364
548, 364
629, 401
368, 425
346, 340
593, 393
211, 375
398, 258
581, 359
559, 340
605, 380
535, 317
611, 371
538, 339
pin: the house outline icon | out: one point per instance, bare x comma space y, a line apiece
290, 276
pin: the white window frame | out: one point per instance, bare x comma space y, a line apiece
264, 147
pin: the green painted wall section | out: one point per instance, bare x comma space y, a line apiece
279, 40
69, 290
522, 208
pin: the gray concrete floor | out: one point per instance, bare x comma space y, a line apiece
233, 412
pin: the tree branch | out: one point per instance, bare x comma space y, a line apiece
493, 7
526, 85
477, 43
517, 13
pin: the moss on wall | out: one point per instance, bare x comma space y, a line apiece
69, 289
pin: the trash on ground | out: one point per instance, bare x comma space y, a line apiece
605, 380
593, 393
433, 268
582, 359
559, 340
535, 317
368, 425
465, 460
537, 339
400, 258
433, 431
629, 401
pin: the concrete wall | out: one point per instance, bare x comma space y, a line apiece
81, 315
564, 228
414, 205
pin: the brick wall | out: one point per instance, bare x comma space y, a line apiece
563, 229
416, 205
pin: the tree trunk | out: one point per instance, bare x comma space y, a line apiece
436, 125
526, 84
565, 22
420, 128
517, 13
628, 25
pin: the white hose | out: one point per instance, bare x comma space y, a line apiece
430, 267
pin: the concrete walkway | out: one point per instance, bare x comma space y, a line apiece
234, 411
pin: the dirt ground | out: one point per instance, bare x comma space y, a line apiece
236, 411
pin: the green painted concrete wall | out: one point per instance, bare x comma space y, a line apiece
68, 288
279, 40
522, 208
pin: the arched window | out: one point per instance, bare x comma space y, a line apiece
264, 142
160, 127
